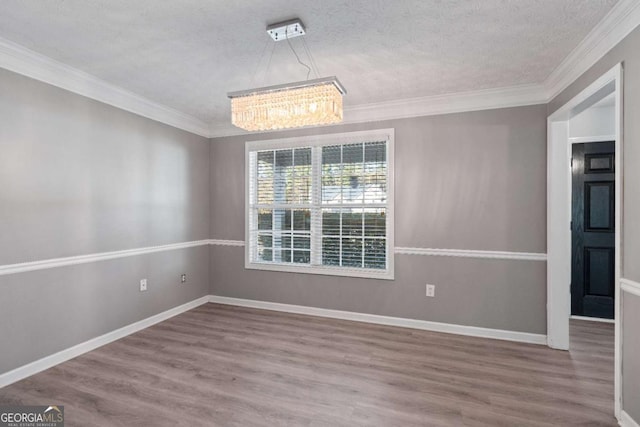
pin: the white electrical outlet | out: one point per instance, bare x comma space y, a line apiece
143, 285
431, 290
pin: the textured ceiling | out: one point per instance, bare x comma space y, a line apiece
188, 54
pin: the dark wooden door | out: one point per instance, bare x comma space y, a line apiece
593, 229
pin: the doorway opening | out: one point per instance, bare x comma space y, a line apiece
584, 208
592, 138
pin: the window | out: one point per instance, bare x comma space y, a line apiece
321, 205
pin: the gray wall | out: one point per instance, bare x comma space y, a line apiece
463, 181
627, 52
79, 177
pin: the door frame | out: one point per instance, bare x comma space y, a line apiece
559, 215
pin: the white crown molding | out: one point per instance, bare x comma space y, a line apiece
102, 256
616, 25
221, 130
630, 286
87, 346
23, 61
525, 256
627, 421
425, 325
623, 18
488, 99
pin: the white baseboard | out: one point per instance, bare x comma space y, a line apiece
592, 319
627, 421
386, 320
85, 347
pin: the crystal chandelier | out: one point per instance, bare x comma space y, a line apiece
304, 103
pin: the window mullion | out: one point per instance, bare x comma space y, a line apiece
364, 196
253, 213
341, 202
278, 197
316, 205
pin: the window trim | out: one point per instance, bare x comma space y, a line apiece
387, 135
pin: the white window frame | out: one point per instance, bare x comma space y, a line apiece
320, 141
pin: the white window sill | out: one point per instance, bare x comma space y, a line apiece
327, 271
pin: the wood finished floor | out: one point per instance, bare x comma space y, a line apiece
230, 366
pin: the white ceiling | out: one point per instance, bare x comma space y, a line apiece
188, 54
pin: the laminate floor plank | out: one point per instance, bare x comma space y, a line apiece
231, 366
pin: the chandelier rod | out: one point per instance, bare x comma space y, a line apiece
255, 71
266, 72
286, 35
311, 58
